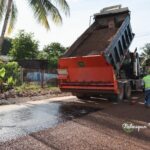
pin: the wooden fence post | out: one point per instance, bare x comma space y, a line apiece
21, 75
42, 78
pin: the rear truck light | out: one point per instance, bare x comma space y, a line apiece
62, 71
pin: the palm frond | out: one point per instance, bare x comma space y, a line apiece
64, 6
44, 8
40, 12
13, 18
2, 8
53, 12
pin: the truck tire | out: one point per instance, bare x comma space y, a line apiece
83, 97
119, 97
127, 91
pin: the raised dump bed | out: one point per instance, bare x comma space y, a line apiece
95, 43
110, 35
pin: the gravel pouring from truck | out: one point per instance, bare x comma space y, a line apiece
99, 62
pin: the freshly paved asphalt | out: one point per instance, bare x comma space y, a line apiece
68, 123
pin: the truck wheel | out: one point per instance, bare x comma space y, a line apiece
83, 97
119, 97
127, 91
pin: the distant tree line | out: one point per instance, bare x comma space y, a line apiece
25, 47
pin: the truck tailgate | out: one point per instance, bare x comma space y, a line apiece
86, 72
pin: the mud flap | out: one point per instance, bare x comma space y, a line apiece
119, 97
127, 91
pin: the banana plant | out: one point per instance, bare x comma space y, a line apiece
5, 84
2, 75
11, 82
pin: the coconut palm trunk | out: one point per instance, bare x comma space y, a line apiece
41, 9
9, 6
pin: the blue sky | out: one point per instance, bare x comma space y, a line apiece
78, 22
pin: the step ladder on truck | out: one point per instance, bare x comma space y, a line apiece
99, 62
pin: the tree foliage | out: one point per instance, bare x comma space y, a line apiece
54, 51
24, 46
146, 54
42, 55
6, 46
41, 9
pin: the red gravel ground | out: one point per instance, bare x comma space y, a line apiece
98, 130
95, 43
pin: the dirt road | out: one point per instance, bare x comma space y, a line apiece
68, 123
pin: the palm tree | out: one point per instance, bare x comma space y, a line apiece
41, 8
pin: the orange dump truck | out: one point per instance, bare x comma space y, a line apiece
99, 63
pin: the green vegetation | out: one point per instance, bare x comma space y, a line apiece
54, 51
11, 70
41, 9
2, 75
34, 87
9, 74
27, 87
146, 55
42, 55
7, 45
24, 46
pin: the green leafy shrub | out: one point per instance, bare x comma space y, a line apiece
12, 70
11, 81
2, 75
9, 75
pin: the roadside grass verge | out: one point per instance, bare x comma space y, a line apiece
34, 87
